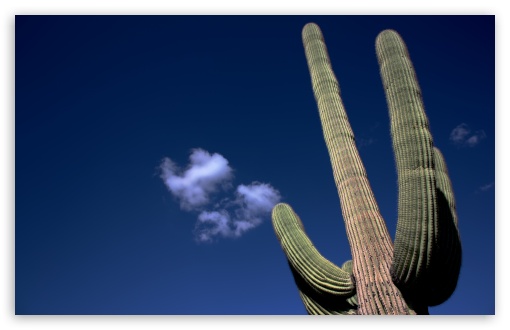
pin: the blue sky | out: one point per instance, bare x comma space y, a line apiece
103, 102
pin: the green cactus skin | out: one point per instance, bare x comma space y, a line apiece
421, 267
420, 259
323, 286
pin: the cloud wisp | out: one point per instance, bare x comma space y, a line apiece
204, 181
486, 187
252, 203
364, 142
462, 136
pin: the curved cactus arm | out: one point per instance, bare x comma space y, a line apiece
323, 306
324, 287
347, 267
318, 272
445, 267
416, 235
314, 308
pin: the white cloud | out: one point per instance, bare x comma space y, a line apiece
213, 223
459, 133
462, 136
252, 205
258, 197
205, 174
255, 201
476, 138
197, 188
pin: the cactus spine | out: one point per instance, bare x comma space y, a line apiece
421, 267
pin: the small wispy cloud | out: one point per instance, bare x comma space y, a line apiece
476, 138
205, 179
462, 136
364, 142
366, 139
486, 187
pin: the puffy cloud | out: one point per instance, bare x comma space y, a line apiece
213, 223
462, 136
205, 174
258, 197
255, 201
199, 185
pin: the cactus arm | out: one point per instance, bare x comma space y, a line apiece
427, 255
314, 308
324, 287
320, 304
444, 185
318, 272
347, 267
415, 238
445, 268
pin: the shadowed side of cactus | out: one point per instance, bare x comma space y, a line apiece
427, 246
378, 280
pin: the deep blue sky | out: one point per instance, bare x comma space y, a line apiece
101, 100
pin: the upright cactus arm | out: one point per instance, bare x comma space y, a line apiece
444, 186
419, 248
445, 268
413, 147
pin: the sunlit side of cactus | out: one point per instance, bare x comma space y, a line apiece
421, 267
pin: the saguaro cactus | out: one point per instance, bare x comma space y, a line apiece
420, 268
